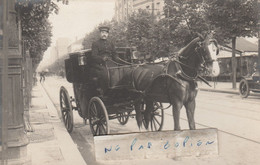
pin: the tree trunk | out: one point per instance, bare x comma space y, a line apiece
241, 65
233, 63
258, 25
258, 66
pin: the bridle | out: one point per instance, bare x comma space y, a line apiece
200, 50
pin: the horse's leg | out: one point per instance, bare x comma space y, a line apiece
138, 112
176, 108
190, 109
147, 113
176, 94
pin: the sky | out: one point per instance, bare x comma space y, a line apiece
77, 19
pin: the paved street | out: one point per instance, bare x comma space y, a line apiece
238, 122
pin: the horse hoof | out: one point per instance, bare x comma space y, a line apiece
146, 125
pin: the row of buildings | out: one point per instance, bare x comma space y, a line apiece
124, 8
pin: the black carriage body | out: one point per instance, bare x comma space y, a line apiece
120, 94
76, 67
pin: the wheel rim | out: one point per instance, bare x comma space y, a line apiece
98, 117
157, 117
123, 117
243, 88
66, 110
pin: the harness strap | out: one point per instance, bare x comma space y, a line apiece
182, 73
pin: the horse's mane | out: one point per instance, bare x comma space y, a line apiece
188, 47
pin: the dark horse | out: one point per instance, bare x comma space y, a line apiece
175, 81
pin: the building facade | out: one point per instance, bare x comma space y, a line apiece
76, 46
124, 8
246, 56
62, 46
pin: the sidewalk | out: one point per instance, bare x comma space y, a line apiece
50, 143
223, 87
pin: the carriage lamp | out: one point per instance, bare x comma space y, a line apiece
82, 59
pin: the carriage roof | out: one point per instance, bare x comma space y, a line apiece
80, 52
123, 52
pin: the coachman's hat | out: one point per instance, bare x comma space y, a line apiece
104, 28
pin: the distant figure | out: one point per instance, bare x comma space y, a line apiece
61, 73
34, 79
42, 76
255, 67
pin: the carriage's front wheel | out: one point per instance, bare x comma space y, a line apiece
244, 88
157, 117
98, 117
66, 109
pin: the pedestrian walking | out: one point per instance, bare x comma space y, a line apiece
42, 76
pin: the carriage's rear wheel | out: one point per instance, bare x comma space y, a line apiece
244, 88
98, 117
157, 117
123, 117
66, 109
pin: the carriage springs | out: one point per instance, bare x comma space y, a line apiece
152, 144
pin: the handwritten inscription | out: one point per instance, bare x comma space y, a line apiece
155, 145
186, 142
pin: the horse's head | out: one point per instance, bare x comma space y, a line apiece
200, 53
208, 52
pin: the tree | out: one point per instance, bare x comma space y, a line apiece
90, 38
160, 40
138, 31
185, 18
232, 19
36, 29
118, 33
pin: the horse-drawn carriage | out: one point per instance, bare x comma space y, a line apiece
116, 103
137, 87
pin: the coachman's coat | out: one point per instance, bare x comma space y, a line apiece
100, 49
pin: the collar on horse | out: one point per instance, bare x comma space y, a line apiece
183, 75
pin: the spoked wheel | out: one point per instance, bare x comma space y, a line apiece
157, 117
66, 109
98, 117
123, 117
244, 88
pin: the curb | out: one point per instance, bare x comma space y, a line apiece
226, 91
68, 148
219, 90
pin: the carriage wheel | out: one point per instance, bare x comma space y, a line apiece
157, 117
66, 109
98, 117
123, 117
244, 88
